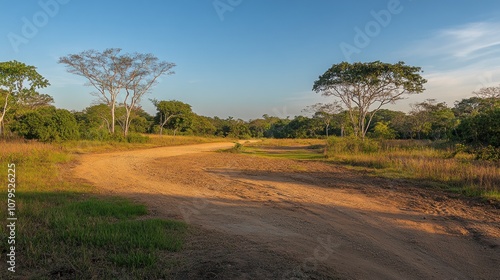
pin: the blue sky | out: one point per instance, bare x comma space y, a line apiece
246, 58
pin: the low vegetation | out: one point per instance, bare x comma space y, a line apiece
65, 231
433, 162
423, 162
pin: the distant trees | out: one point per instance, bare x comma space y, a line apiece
326, 113
383, 131
173, 113
362, 86
18, 85
432, 120
479, 123
112, 74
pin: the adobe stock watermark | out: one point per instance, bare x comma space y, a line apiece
202, 200
224, 6
321, 253
31, 26
363, 36
281, 113
485, 80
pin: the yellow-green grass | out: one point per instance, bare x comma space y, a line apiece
153, 141
298, 154
64, 230
305, 149
270, 142
424, 162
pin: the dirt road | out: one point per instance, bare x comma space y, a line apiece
264, 218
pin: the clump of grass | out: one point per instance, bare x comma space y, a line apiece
237, 148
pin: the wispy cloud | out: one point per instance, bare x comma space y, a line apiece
465, 43
459, 60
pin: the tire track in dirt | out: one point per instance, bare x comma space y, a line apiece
332, 222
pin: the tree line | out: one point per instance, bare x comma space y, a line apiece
358, 91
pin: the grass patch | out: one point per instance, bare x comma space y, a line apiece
154, 141
297, 154
287, 143
65, 231
435, 162
298, 149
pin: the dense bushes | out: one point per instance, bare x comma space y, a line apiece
481, 134
482, 129
48, 124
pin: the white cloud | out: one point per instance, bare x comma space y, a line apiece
464, 43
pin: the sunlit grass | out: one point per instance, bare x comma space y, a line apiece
269, 142
86, 146
66, 231
299, 154
456, 171
425, 162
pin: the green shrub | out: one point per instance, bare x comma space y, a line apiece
238, 148
488, 153
352, 144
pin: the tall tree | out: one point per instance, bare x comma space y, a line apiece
364, 86
143, 71
111, 73
104, 71
18, 81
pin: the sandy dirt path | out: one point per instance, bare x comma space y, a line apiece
302, 220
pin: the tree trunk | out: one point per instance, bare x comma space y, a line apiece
127, 123
4, 112
113, 117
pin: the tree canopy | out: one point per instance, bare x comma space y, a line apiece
364, 88
19, 83
171, 112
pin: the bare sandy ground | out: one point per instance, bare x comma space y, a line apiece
258, 218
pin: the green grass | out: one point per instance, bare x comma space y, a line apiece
272, 148
298, 154
64, 230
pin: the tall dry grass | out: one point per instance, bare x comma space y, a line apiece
423, 160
